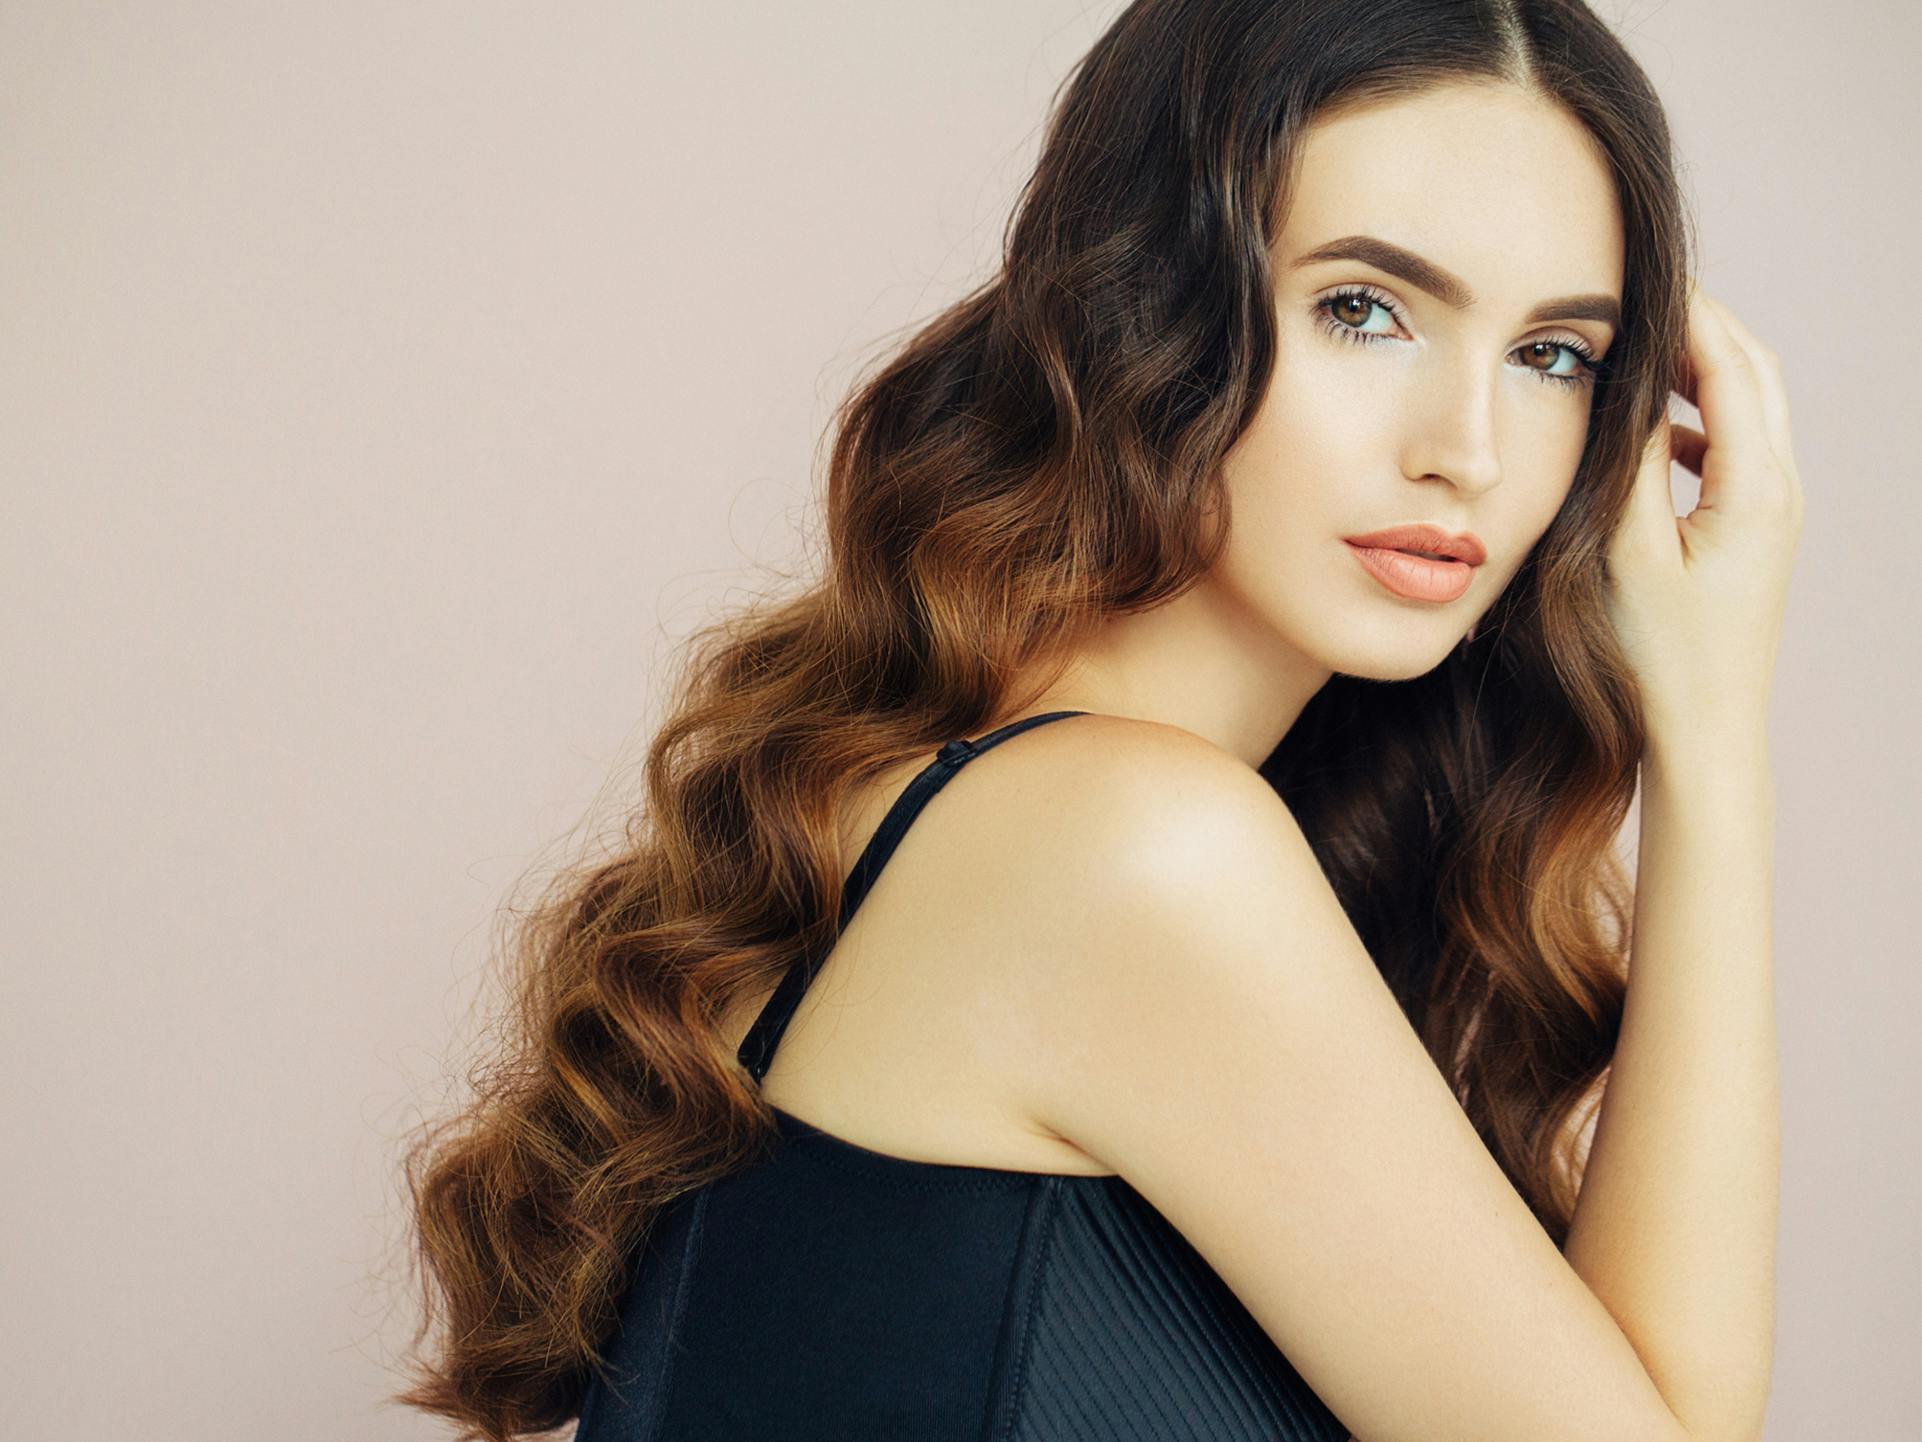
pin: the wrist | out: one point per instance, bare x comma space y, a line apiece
1732, 756
1743, 729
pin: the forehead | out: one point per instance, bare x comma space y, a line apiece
1507, 190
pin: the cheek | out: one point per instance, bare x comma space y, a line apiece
1285, 475
1553, 453
1323, 418
1537, 500
1340, 386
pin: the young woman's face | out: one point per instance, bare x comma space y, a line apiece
1392, 404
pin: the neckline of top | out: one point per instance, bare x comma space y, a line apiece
794, 1129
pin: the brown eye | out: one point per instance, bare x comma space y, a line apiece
1585, 369
1549, 352
1353, 308
1346, 313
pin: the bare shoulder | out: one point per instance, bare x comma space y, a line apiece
1098, 799
1078, 828
1105, 843
1195, 1010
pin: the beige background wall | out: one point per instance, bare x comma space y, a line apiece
384, 388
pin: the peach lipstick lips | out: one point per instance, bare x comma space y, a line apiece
1420, 562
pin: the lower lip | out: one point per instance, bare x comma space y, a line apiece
1413, 576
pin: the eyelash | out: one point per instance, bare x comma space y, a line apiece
1591, 368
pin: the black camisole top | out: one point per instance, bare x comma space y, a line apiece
834, 1292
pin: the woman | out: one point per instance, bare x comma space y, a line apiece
1215, 1059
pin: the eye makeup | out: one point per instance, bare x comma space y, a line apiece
1588, 368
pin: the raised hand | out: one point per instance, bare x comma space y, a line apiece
1697, 600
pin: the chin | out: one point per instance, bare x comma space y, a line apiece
1388, 672
1391, 652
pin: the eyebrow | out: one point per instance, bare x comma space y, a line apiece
1447, 287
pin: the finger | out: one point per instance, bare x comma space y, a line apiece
1775, 401
1728, 394
1688, 385
1768, 374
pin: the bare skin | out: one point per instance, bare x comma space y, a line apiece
1105, 948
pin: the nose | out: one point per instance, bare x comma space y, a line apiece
1452, 433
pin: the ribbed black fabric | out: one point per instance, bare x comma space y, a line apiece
833, 1292
1134, 1336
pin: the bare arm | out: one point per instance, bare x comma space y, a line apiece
1675, 1228
1196, 1009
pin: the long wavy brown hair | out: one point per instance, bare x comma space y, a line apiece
1041, 455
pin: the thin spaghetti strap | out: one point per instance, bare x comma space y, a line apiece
757, 1047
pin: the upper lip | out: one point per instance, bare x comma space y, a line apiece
1424, 536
